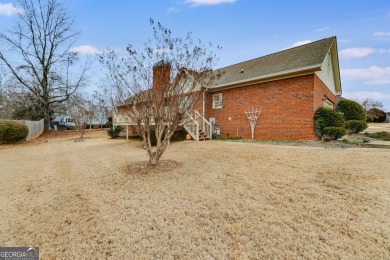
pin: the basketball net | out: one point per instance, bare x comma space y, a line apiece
253, 114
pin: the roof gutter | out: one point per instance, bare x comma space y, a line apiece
269, 77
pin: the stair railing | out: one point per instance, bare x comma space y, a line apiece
204, 125
192, 127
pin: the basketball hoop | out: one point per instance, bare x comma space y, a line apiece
253, 114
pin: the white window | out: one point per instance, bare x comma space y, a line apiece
217, 101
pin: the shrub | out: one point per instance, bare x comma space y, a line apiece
12, 131
351, 110
328, 118
333, 133
114, 133
355, 126
376, 115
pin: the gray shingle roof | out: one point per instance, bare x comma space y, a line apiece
295, 59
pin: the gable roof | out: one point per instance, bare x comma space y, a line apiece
302, 59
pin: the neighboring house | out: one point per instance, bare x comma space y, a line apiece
288, 86
67, 122
63, 122
95, 123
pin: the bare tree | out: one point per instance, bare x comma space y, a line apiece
16, 103
4, 112
102, 109
79, 109
37, 53
159, 84
372, 109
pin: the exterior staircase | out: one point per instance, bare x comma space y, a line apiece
198, 127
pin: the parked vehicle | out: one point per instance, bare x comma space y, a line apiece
63, 122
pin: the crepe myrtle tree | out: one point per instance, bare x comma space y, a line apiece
102, 107
37, 53
81, 110
156, 84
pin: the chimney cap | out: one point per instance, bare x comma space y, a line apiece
161, 63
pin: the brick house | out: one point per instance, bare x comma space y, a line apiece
288, 86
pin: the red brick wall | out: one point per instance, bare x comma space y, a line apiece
161, 80
288, 107
321, 90
198, 101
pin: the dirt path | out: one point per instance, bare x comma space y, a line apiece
223, 200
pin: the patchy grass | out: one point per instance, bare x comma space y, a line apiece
227, 138
384, 136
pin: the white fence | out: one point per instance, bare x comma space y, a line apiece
35, 128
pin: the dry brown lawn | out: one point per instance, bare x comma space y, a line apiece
213, 200
378, 127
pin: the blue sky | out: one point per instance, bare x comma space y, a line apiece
247, 29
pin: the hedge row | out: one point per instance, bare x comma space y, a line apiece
12, 131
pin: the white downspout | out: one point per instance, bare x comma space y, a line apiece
203, 102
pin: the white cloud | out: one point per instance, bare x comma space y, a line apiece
356, 52
85, 49
173, 10
360, 95
209, 2
361, 52
373, 75
382, 51
322, 29
9, 9
299, 43
382, 34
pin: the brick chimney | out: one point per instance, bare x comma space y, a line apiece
161, 78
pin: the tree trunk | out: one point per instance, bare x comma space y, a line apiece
153, 159
46, 120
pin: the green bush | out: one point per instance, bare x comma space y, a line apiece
114, 133
355, 126
325, 117
351, 110
12, 131
333, 133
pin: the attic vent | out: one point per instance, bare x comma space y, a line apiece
242, 70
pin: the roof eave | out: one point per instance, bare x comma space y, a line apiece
269, 77
336, 67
